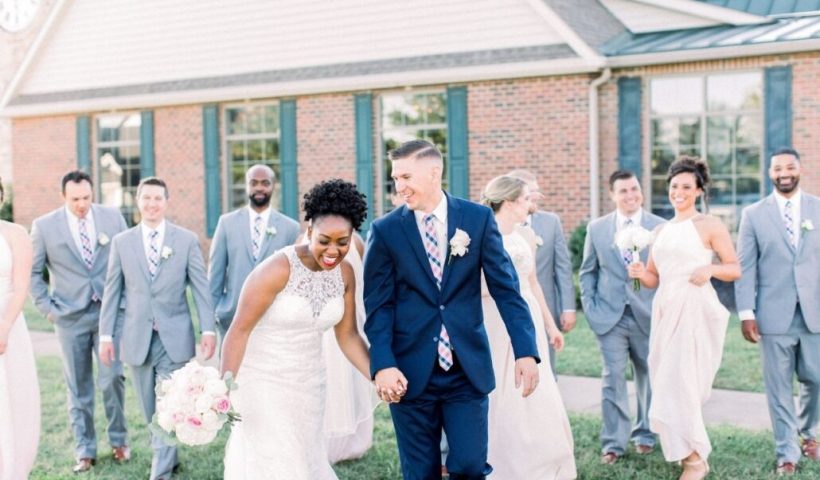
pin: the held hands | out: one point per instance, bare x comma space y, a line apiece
636, 270
391, 384
568, 320
749, 329
701, 275
526, 374
107, 353
207, 345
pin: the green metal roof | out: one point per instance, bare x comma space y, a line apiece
768, 7
783, 29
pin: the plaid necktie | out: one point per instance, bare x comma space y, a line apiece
153, 253
257, 237
627, 253
788, 220
85, 241
433, 249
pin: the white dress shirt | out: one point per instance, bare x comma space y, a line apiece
621, 219
781, 205
74, 228
440, 222
252, 214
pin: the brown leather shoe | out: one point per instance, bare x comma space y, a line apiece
121, 454
810, 449
786, 468
84, 465
644, 449
609, 458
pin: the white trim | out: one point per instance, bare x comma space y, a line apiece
32, 53
568, 34
716, 53
706, 10
594, 145
311, 87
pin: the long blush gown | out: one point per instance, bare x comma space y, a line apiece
528, 437
685, 344
19, 390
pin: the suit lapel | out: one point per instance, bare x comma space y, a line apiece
167, 243
243, 220
774, 215
453, 222
411, 230
267, 240
806, 213
65, 233
139, 250
615, 252
101, 228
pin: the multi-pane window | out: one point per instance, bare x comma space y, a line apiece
118, 162
409, 116
251, 137
718, 118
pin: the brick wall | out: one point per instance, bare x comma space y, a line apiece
805, 107
537, 124
43, 150
326, 144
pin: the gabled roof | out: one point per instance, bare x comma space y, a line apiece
644, 16
780, 35
767, 7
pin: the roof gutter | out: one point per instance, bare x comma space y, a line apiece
594, 145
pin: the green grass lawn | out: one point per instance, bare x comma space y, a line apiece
739, 370
737, 453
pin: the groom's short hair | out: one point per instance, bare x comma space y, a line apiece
75, 176
620, 175
786, 151
418, 149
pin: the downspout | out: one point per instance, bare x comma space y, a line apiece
594, 145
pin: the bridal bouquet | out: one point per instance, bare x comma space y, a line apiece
634, 239
193, 405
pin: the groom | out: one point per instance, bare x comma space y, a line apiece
424, 320
149, 268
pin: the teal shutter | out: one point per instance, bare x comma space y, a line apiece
778, 113
629, 125
147, 167
363, 105
210, 135
83, 133
287, 149
457, 146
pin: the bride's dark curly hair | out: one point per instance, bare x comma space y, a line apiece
336, 197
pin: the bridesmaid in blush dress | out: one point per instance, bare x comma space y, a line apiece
19, 391
688, 321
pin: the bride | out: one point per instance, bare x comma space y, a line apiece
274, 344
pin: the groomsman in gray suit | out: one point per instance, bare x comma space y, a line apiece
243, 239
553, 266
149, 269
778, 301
620, 317
72, 243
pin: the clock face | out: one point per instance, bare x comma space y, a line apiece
16, 15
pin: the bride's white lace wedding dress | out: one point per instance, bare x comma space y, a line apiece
281, 394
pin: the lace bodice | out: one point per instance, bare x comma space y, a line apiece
318, 288
522, 257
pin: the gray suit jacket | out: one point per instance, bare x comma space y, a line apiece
231, 256
161, 301
775, 275
73, 284
553, 266
605, 285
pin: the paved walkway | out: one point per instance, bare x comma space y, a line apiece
583, 395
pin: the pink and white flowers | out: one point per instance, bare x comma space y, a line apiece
193, 405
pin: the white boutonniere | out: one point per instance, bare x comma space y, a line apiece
538, 241
166, 252
458, 244
103, 239
271, 231
807, 226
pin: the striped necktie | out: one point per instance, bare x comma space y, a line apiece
257, 237
788, 220
153, 253
627, 253
433, 249
85, 241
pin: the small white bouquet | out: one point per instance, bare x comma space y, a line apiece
193, 405
634, 239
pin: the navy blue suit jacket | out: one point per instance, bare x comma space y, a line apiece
405, 308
